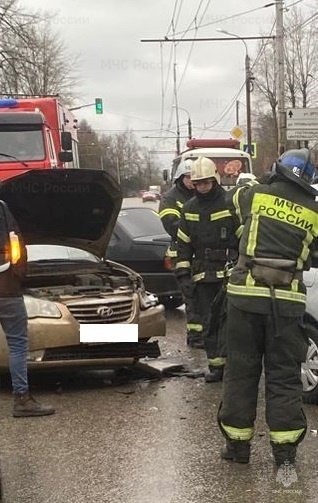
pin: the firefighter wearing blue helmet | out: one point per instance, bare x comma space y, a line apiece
266, 305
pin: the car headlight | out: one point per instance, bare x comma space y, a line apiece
37, 308
147, 299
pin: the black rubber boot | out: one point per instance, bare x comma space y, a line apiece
215, 374
237, 451
195, 341
25, 405
284, 454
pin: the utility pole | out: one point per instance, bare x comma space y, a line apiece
281, 119
248, 87
237, 109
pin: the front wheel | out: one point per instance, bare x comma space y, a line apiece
309, 370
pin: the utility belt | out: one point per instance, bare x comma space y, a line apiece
273, 272
213, 255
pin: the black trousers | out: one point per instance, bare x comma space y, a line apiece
250, 345
203, 298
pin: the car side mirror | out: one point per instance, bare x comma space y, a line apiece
10, 251
65, 156
66, 140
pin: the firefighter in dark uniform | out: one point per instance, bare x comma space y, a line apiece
266, 304
170, 208
206, 239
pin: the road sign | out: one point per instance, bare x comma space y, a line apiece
244, 147
237, 132
302, 123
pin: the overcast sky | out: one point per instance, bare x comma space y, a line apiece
126, 73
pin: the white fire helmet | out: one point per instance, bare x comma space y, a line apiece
184, 168
204, 168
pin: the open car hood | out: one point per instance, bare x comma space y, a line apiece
66, 207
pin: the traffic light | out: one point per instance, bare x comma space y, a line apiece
99, 105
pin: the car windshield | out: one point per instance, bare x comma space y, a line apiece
38, 253
141, 222
26, 145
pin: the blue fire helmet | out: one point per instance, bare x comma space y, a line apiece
296, 165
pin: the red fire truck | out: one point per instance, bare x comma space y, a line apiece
36, 133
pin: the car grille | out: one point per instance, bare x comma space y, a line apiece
102, 311
100, 351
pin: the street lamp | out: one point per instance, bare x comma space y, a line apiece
189, 120
248, 81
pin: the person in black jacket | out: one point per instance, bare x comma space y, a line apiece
170, 208
266, 307
206, 243
13, 315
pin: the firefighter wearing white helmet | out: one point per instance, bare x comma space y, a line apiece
170, 211
206, 243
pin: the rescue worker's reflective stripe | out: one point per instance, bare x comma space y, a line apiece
196, 327
171, 253
237, 205
198, 277
184, 264
286, 437
283, 210
250, 281
305, 251
192, 217
217, 362
169, 211
4, 267
238, 433
202, 275
239, 231
183, 236
220, 214
179, 204
258, 291
252, 237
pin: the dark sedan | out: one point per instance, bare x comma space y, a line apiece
139, 241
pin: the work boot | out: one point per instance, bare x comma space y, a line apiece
237, 451
25, 405
215, 374
195, 341
284, 454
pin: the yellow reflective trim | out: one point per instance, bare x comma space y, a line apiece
305, 251
286, 437
198, 277
171, 253
192, 217
295, 285
250, 281
220, 274
239, 231
257, 291
220, 214
238, 433
184, 264
283, 210
237, 205
196, 327
217, 362
169, 211
179, 204
252, 237
183, 236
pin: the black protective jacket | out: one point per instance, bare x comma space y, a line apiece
206, 237
10, 280
280, 223
170, 208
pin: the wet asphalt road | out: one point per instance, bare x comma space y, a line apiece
144, 441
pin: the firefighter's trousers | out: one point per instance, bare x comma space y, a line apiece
203, 297
215, 336
250, 341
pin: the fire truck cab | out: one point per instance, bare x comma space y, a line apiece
36, 133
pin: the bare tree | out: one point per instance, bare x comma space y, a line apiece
34, 59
